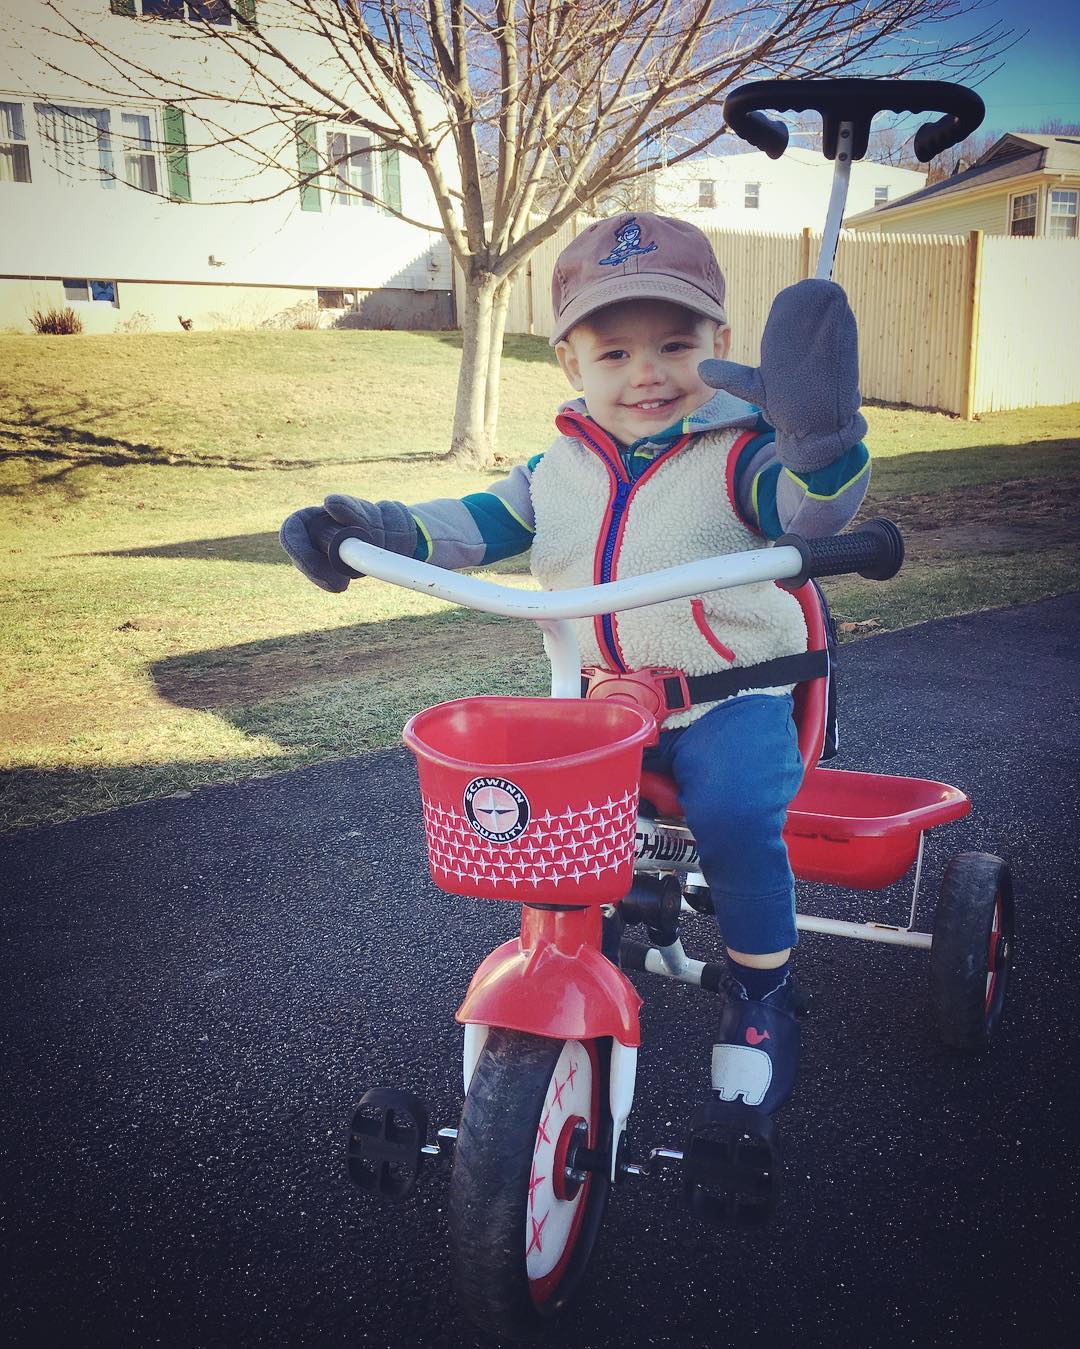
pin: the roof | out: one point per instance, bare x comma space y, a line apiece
1011, 156
743, 158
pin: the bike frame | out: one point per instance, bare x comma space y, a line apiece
518, 986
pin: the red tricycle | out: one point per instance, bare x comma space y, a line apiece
542, 801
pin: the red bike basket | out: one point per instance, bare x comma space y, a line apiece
532, 799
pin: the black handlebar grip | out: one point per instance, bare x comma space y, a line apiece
874, 550
933, 137
765, 133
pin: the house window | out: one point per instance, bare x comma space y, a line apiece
77, 143
336, 299
1022, 213
82, 289
706, 195
353, 167
14, 152
881, 195
209, 11
752, 196
1061, 219
100, 145
140, 163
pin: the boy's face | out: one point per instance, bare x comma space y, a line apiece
636, 365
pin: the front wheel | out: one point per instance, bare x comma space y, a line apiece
971, 953
523, 1217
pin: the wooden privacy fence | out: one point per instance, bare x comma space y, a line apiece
952, 323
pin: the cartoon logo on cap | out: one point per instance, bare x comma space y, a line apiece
629, 237
498, 810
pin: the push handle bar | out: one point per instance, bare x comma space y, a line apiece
855, 101
875, 550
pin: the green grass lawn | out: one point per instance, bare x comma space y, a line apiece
155, 637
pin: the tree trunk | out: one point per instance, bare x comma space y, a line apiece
470, 446
499, 310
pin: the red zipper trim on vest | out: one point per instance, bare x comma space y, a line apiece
732, 464
697, 608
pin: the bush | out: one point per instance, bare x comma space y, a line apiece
303, 316
56, 321
137, 323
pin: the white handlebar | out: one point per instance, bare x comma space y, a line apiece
693, 578
553, 609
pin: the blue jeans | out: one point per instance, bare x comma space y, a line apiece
737, 769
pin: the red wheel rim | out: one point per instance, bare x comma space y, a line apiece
543, 1193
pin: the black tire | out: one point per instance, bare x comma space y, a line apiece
499, 1273
972, 950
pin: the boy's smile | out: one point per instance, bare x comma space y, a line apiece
636, 365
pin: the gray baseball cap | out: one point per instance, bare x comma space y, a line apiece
636, 256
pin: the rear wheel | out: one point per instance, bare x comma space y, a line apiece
524, 1215
971, 954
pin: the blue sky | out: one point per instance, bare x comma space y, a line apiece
1040, 75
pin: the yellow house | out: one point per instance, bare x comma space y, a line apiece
1025, 184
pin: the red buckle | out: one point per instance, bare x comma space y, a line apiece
651, 688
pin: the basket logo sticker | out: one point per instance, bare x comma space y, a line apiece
498, 810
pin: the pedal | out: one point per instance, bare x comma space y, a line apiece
386, 1141
731, 1165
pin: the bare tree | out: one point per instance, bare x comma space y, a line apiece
548, 105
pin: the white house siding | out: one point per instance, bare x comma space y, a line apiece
793, 191
989, 212
222, 249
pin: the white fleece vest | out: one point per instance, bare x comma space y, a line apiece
678, 511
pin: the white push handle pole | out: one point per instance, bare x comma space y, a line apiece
834, 218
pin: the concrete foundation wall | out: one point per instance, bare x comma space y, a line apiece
155, 306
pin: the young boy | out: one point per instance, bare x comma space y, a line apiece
653, 468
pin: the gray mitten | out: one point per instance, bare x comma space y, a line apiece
307, 533
807, 385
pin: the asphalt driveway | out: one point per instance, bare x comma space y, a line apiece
197, 990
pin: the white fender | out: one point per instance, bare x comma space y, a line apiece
475, 1039
620, 1093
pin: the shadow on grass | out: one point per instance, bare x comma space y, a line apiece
971, 468
41, 796
316, 696
533, 350
229, 548
264, 547
400, 656
71, 448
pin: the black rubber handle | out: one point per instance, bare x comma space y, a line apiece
764, 133
856, 101
874, 550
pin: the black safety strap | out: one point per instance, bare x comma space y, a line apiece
726, 683
766, 674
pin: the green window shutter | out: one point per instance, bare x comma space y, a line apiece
307, 156
391, 179
176, 154
245, 11
122, 7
